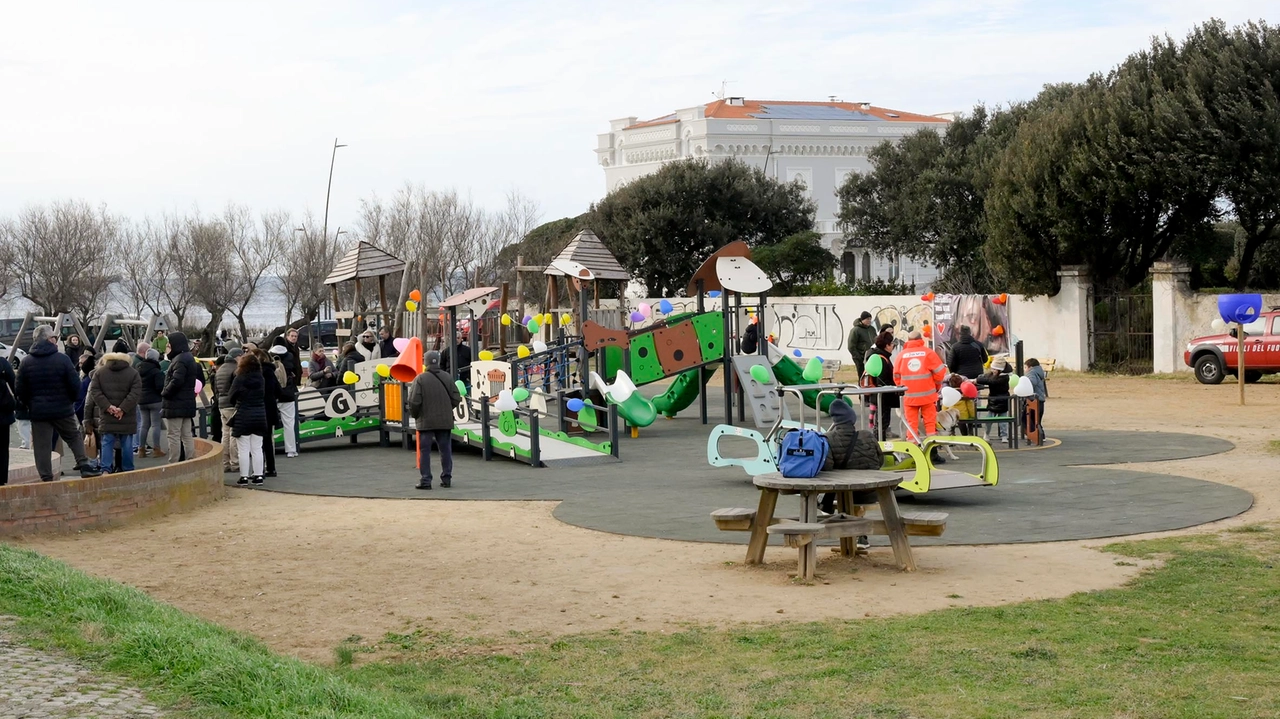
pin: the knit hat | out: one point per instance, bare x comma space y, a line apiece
234, 353
433, 360
999, 363
865, 315
153, 355
965, 331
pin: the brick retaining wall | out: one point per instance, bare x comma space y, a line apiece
70, 505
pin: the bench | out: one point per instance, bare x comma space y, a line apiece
918, 523
829, 369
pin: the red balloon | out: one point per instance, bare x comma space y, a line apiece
969, 390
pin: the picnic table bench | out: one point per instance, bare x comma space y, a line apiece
854, 491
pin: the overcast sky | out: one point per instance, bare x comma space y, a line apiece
154, 107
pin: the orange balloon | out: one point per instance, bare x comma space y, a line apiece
999, 330
416, 296
927, 297
927, 331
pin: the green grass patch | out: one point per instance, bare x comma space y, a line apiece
1273, 446
1197, 637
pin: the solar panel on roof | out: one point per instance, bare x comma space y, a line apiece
811, 112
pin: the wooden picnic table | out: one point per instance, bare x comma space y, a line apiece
846, 485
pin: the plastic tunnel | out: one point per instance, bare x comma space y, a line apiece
682, 392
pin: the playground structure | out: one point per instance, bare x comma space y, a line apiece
362, 263
62, 323
130, 328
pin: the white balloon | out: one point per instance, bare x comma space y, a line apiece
539, 346
506, 401
1218, 325
951, 396
1024, 388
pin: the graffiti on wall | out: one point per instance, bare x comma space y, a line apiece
809, 326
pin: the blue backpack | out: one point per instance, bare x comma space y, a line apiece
803, 453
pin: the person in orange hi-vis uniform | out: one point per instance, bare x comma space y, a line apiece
921, 371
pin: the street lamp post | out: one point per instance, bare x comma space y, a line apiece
329, 188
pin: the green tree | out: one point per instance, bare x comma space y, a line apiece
538, 248
796, 262
662, 226
1234, 75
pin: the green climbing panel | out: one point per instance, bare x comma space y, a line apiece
710, 329
645, 367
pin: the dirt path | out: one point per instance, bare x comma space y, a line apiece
304, 573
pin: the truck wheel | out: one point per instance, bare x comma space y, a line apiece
1252, 375
1209, 370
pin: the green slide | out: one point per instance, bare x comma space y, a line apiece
682, 392
788, 372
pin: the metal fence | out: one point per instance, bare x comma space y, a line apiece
1122, 332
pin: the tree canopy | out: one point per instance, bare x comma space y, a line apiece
662, 226
795, 263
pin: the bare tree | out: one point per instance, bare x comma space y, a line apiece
256, 252
63, 257
308, 259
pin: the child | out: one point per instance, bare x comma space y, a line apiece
1039, 382
996, 380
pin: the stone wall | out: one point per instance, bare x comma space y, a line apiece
1179, 314
75, 504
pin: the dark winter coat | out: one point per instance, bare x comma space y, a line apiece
750, 339
967, 357
8, 393
998, 386
323, 374
248, 394
464, 361
82, 396
291, 360
152, 381
885, 401
74, 352
387, 349
116, 384
179, 393
48, 383
432, 397
861, 340
222, 380
850, 449
348, 362
271, 397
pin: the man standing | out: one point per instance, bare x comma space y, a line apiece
387, 344
861, 339
48, 387
921, 371
179, 398
291, 360
432, 397
116, 390
222, 388
967, 357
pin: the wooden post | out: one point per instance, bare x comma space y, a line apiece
502, 329
382, 291
1240, 359
519, 283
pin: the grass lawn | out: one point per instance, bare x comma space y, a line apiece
1198, 637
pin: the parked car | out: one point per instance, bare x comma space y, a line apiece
18, 354
1213, 357
325, 330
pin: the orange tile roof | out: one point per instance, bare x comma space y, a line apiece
750, 109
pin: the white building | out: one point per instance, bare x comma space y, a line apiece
817, 142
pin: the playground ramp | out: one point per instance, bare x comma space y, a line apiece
554, 448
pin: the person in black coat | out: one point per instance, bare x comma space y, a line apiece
248, 395
996, 380
967, 357
48, 385
287, 354
271, 399
8, 405
151, 406
884, 404
179, 398
387, 345
73, 348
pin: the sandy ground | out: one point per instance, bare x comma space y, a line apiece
304, 573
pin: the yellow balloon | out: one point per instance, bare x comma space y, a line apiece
566, 320
382, 370
547, 319
522, 351
486, 355
411, 306
350, 377
506, 320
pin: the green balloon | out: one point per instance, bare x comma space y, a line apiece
587, 418
875, 365
760, 374
462, 388
520, 394
1013, 381
532, 326
813, 370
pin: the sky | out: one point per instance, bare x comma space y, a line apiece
154, 107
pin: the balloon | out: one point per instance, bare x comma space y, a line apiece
875, 365
350, 377
713, 293
637, 317
796, 353
506, 401
1218, 325
539, 346
645, 309
548, 319
819, 358
587, 418
951, 396
415, 295
382, 370
531, 325
506, 320
1001, 299
462, 388
400, 343
999, 330
520, 394
1024, 388
574, 405
927, 297
411, 306
199, 386
969, 390
760, 374
664, 307
566, 320
1014, 380
813, 370
522, 351
486, 356
926, 331
526, 319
